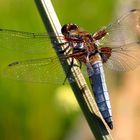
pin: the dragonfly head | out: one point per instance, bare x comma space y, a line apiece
68, 29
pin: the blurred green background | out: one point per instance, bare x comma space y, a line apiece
39, 111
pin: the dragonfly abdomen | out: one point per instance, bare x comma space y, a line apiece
97, 79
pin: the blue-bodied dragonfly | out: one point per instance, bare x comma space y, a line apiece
116, 45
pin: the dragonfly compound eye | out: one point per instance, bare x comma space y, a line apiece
68, 28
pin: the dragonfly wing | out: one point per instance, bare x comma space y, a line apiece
45, 70
125, 29
123, 39
125, 58
25, 42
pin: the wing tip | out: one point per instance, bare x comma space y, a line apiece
134, 10
13, 64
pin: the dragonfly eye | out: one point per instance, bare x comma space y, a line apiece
67, 28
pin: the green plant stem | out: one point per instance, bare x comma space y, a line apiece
80, 88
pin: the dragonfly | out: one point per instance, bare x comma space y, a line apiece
116, 46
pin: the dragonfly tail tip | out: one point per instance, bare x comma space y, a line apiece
110, 124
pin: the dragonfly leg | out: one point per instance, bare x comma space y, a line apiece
64, 50
61, 44
80, 64
69, 70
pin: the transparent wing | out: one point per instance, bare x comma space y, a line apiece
25, 42
123, 37
125, 29
36, 70
44, 70
125, 58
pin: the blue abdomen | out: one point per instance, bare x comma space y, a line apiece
97, 79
